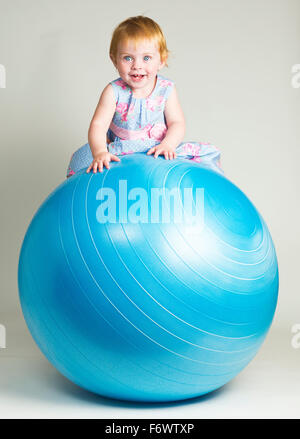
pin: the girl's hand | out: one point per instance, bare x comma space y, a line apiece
168, 152
103, 158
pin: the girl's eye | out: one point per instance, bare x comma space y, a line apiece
129, 58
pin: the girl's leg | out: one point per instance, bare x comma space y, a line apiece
204, 153
82, 158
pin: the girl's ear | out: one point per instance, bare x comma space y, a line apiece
113, 60
162, 64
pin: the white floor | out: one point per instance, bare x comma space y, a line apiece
269, 387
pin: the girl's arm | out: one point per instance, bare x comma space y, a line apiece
101, 121
176, 128
97, 134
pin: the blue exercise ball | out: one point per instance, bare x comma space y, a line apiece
130, 299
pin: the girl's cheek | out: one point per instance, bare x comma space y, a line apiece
125, 65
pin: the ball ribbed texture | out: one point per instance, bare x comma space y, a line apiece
148, 311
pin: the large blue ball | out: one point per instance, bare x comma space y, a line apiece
148, 309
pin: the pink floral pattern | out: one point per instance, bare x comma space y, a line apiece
125, 112
192, 149
158, 131
121, 107
122, 84
155, 104
127, 152
70, 172
165, 83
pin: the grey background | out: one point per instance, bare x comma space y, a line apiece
231, 61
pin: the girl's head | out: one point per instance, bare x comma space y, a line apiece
138, 46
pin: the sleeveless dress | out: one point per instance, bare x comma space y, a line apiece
139, 124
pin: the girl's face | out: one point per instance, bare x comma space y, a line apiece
138, 66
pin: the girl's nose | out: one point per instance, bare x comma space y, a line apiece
137, 63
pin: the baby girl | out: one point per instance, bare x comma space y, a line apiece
139, 111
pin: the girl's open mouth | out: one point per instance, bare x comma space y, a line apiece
137, 78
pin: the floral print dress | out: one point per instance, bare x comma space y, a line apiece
139, 124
